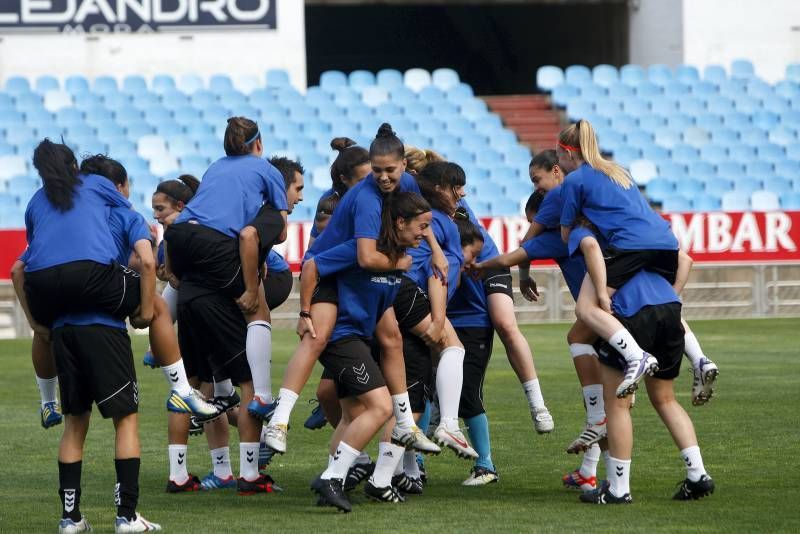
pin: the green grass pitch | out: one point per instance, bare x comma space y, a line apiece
748, 435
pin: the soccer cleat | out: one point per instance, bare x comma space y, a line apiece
227, 402
542, 420
192, 484
705, 375
480, 476
414, 438
138, 524
317, 418
265, 455
68, 526
635, 372
149, 360
263, 484
275, 438
192, 403
261, 410
423, 475
689, 490
51, 414
577, 481
592, 433
604, 496
454, 440
195, 426
357, 474
406, 484
213, 482
387, 494
331, 492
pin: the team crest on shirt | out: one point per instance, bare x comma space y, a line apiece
385, 280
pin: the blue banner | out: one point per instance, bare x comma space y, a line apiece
129, 16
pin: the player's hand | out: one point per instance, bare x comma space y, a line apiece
605, 301
140, 321
474, 270
529, 290
404, 263
174, 281
169, 219
161, 273
248, 302
153, 232
440, 267
305, 326
433, 335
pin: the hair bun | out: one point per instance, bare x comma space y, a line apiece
385, 130
342, 143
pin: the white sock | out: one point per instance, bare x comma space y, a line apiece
342, 461
623, 341
177, 464
402, 410
330, 461
619, 476
694, 463
248, 461
286, 400
389, 457
363, 458
259, 351
176, 378
410, 465
223, 388
449, 380
534, 394
47, 389
170, 296
593, 399
221, 462
692, 348
588, 467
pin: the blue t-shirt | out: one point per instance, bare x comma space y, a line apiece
549, 245
644, 289
578, 234
127, 227
81, 233
160, 258
622, 216
276, 263
232, 191
358, 214
549, 214
446, 233
326, 194
87, 319
364, 296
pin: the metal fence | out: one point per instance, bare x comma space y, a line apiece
714, 291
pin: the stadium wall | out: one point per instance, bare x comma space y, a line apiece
148, 37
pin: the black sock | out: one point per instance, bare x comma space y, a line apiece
69, 489
126, 493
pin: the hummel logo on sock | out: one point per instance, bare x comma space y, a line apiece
593, 401
173, 375
336, 456
250, 457
688, 463
622, 344
403, 407
117, 498
219, 459
620, 470
180, 458
69, 500
389, 454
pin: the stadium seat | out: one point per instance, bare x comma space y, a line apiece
16, 85
445, 78
725, 136
103, 85
777, 184
787, 168
642, 171
770, 152
765, 120
47, 83
735, 201
704, 89
747, 185
332, 79
278, 78
549, 77
718, 186
689, 187
687, 74
389, 78
359, 79
648, 89
605, 75
692, 105
742, 68
676, 204
659, 188
415, 79
578, 75
783, 135
715, 74
190, 83
659, 74
374, 95
562, 94
706, 202
632, 75
765, 201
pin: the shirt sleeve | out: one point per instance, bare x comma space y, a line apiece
25, 255
549, 213
137, 228
367, 217
545, 246
408, 184
274, 190
576, 236
571, 192
109, 193
339, 258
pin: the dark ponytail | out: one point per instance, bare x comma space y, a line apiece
534, 202
468, 231
386, 143
240, 135
102, 165
58, 168
350, 156
397, 205
180, 190
444, 174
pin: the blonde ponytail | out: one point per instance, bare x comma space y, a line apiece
581, 136
417, 158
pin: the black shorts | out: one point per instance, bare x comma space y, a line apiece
658, 330
477, 343
622, 265
194, 353
411, 305
327, 290
277, 287
498, 281
219, 331
205, 257
419, 371
354, 369
95, 364
269, 226
82, 286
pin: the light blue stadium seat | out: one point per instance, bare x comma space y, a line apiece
787, 167
672, 170
776, 104
747, 104
648, 90
715, 74
137, 130
685, 154
793, 72
705, 89
578, 75
460, 93
725, 136
7, 149
676, 204
549, 77
777, 184
247, 83
488, 158
621, 91
718, 186
783, 135
676, 89
766, 120
593, 92
389, 78
332, 79
787, 89
202, 98
504, 206
563, 93
687, 74
765, 201
625, 155
636, 107
643, 170
793, 151
664, 106
692, 105
489, 123
13, 166
703, 170
742, 68
174, 98
190, 83
360, 78
659, 74
38, 116
737, 120
195, 165
445, 78
117, 100
220, 83
20, 134
706, 202
104, 85
169, 129
659, 188
790, 118
747, 185
733, 88
721, 105
578, 108
11, 119
759, 89
609, 139
47, 83
632, 75
655, 152
16, 85
278, 78
474, 109
99, 114
605, 75
791, 201
416, 78
770, 152
742, 153
134, 84
730, 169
28, 101
624, 123
759, 168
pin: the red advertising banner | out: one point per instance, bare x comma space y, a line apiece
707, 237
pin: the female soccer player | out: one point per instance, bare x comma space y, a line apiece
365, 300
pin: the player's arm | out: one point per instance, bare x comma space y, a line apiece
682, 275
147, 285
510, 259
285, 231
534, 229
439, 263
248, 256
309, 277
371, 259
437, 295
596, 267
